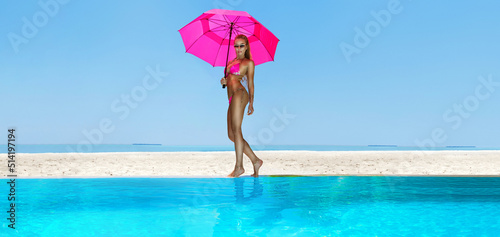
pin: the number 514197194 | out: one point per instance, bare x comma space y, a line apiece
11, 147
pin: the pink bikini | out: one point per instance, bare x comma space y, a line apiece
235, 70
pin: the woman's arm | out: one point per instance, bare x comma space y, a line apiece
251, 69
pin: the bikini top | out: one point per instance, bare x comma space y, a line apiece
235, 69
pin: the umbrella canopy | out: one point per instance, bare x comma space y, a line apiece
209, 36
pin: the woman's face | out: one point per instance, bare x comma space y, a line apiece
240, 47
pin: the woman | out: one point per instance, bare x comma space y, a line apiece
238, 68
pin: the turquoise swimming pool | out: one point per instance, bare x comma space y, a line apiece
264, 206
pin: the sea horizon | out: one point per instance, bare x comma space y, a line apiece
152, 147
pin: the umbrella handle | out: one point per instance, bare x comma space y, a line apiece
227, 56
225, 69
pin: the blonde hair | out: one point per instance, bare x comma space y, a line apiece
248, 54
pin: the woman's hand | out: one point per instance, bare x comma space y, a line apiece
250, 109
223, 81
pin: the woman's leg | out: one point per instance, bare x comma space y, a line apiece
257, 163
237, 111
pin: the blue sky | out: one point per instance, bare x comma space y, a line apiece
411, 80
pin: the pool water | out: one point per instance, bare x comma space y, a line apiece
264, 206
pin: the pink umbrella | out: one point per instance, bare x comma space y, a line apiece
210, 35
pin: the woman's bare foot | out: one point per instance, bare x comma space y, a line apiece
256, 168
236, 172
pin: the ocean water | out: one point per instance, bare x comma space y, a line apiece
63, 148
264, 206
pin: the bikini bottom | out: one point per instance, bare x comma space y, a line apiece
241, 88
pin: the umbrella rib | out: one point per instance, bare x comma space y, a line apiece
236, 20
220, 27
220, 45
195, 40
219, 30
237, 31
250, 33
215, 22
247, 24
235, 25
225, 19
238, 23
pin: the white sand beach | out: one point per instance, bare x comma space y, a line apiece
220, 164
